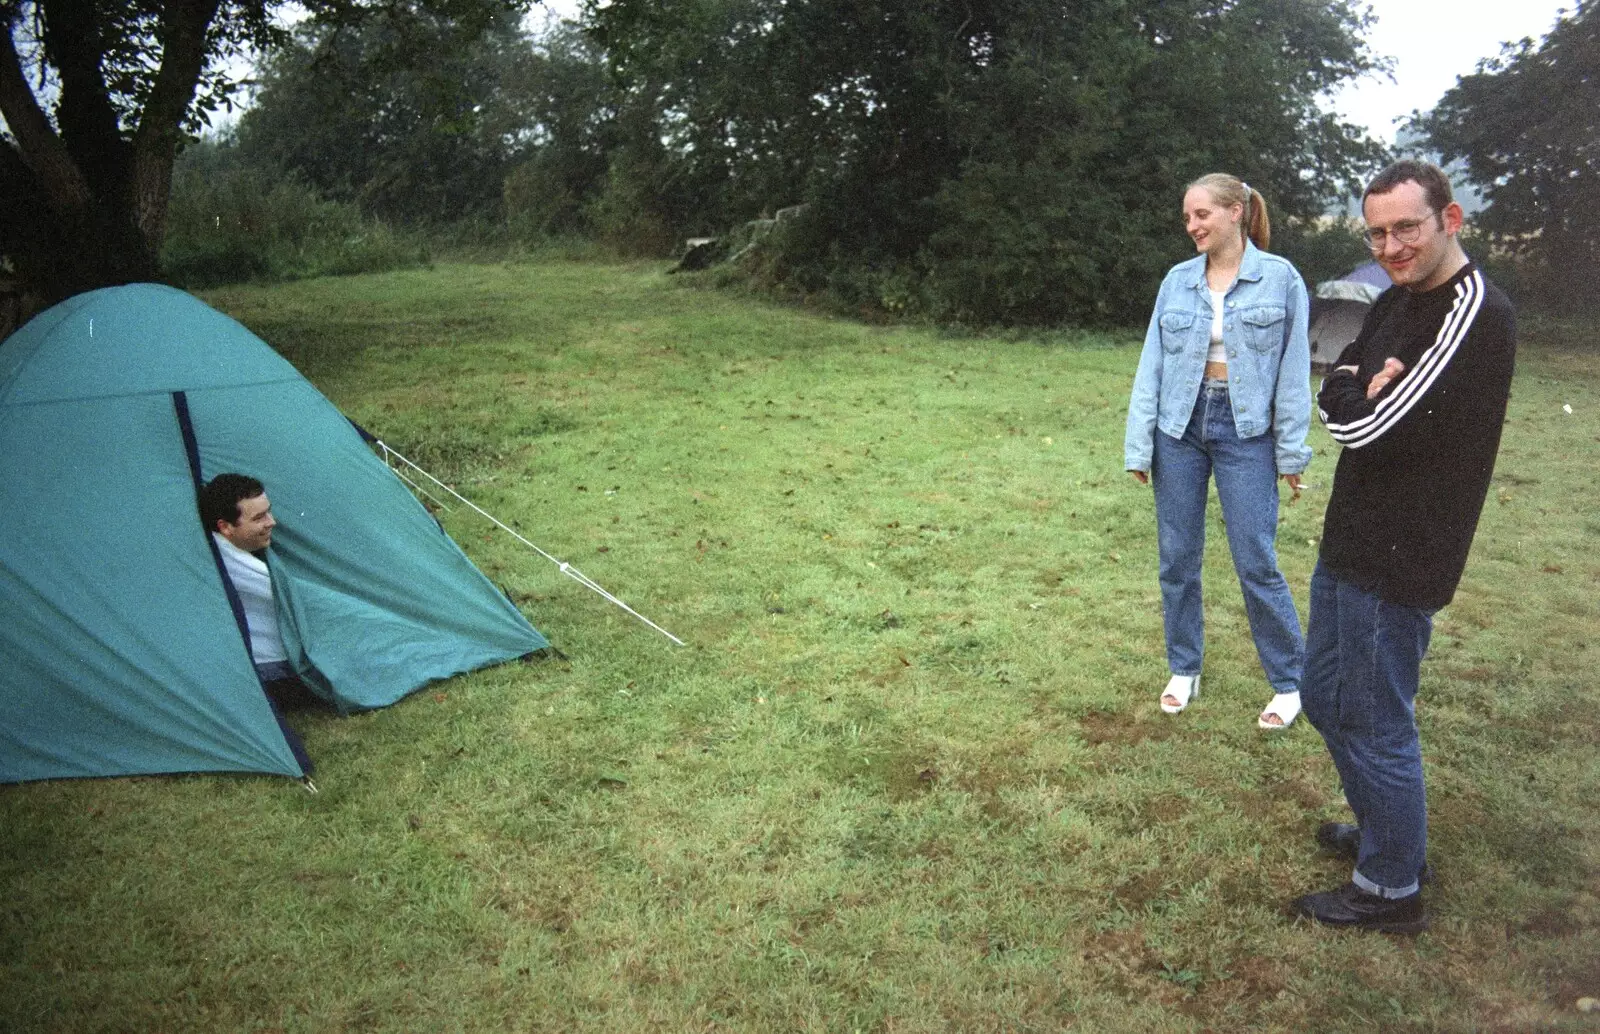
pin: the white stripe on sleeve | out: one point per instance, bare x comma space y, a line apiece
1452, 332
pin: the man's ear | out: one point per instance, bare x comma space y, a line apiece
1453, 218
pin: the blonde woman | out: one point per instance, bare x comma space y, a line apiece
1223, 391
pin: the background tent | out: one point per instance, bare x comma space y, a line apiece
122, 653
1339, 307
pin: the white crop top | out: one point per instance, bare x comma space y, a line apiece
1217, 354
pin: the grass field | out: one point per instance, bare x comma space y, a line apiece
907, 775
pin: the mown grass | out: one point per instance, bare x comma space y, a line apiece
909, 773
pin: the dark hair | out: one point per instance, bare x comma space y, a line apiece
219, 500
1434, 183
1228, 191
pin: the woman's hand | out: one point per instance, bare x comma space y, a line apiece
1294, 485
1140, 476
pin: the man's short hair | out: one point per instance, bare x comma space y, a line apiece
1434, 183
219, 499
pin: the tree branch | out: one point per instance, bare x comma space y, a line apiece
39, 148
75, 36
183, 56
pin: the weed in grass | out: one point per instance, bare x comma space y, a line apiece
908, 775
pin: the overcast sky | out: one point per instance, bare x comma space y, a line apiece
1432, 42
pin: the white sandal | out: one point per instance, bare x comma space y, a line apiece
1180, 688
1286, 706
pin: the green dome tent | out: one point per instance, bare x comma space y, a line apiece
121, 651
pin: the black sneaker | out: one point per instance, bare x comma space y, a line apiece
1344, 840
1354, 908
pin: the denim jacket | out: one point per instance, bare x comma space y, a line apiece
1269, 358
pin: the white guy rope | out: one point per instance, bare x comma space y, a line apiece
565, 568
441, 504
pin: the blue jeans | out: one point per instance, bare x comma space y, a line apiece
1247, 483
1363, 663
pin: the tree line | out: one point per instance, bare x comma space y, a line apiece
1526, 127
974, 161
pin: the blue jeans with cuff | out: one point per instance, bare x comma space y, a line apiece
1363, 665
1246, 471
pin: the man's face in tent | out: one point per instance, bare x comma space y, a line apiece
253, 530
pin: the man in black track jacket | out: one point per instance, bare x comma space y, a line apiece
1417, 401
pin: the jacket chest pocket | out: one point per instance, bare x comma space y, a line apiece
1175, 330
1263, 327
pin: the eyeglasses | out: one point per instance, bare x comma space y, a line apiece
1407, 232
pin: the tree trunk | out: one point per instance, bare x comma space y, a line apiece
81, 206
155, 144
